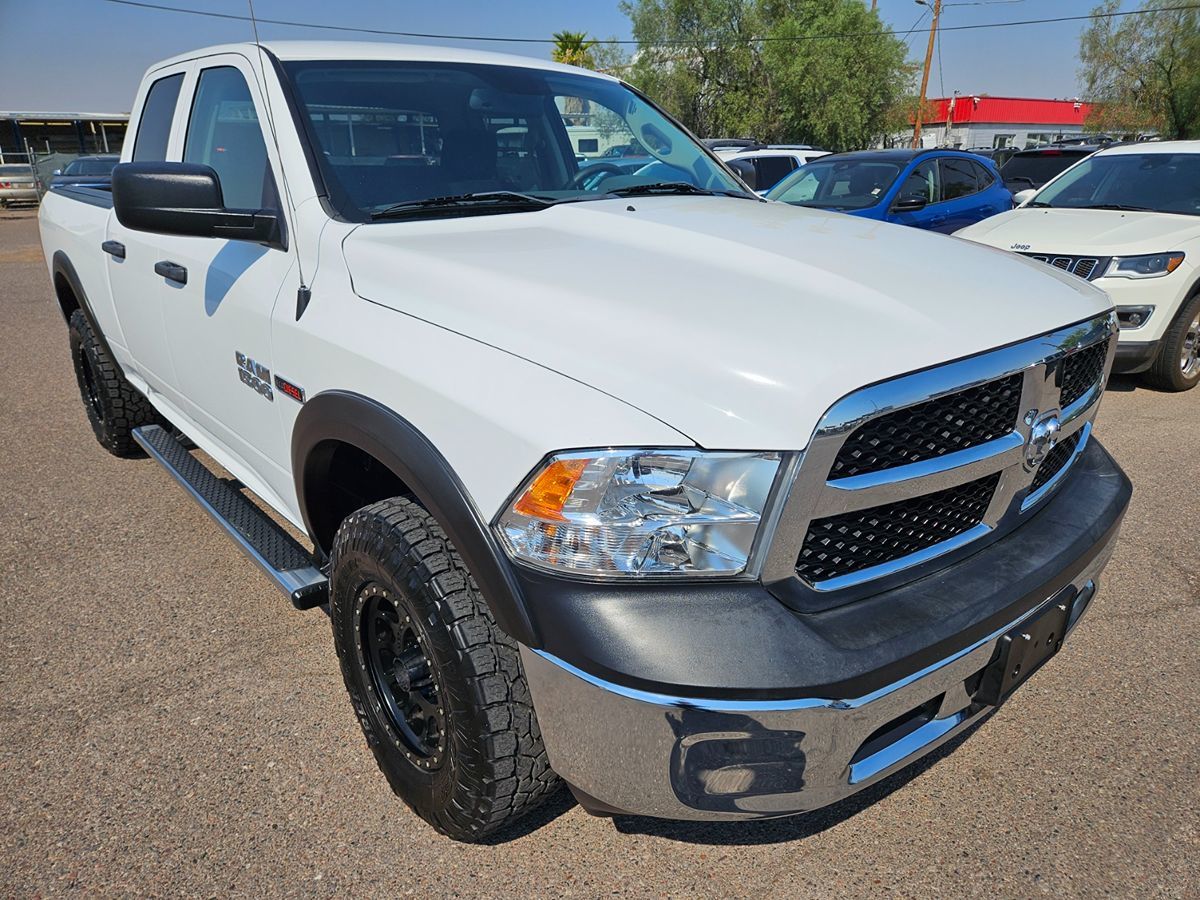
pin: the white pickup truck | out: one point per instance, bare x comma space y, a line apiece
710, 507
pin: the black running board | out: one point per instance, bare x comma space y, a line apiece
276, 552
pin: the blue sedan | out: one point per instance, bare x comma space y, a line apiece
941, 190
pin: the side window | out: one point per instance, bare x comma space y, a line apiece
223, 132
773, 169
923, 181
958, 178
154, 125
983, 176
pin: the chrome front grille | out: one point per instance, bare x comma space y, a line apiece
927, 465
1086, 267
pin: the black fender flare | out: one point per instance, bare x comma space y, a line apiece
333, 417
60, 265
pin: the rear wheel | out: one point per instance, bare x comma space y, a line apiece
114, 406
1177, 367
438, 689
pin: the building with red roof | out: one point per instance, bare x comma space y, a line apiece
977, 121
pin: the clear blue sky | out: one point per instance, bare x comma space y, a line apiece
88, 55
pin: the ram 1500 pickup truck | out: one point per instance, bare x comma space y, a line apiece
709, 507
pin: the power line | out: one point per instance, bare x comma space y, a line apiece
679, 41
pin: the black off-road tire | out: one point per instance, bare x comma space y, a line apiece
489, 766
1167, 373
113, 405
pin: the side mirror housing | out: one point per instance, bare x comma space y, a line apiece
910, 203
1022, 197
56, 172
744, 169
186, 199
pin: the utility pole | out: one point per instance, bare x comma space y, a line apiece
874, 3
937, 14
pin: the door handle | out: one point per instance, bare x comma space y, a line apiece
114, 248
171, 271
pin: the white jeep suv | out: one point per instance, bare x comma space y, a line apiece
1128, 220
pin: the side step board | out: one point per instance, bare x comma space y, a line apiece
276, 552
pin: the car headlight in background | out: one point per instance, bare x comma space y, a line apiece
639, 513
1153, 265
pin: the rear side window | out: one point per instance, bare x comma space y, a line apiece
223, 132
958, 178
773, 169
154, 125
984, 176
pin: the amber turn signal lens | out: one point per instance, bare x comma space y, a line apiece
544, 499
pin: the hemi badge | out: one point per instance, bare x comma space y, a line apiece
292, 390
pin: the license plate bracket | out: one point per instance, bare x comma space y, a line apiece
1025, 649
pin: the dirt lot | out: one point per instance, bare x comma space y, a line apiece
170, 725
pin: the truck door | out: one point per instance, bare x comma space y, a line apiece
217, 316
138, 293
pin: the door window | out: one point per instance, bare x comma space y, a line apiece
224, 133
923, 181
958, 178
154, 125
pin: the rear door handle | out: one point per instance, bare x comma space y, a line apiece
114, 248
171, 271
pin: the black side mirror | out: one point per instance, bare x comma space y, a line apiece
186, 199
744, 169
910, 203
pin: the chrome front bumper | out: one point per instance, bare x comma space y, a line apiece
630, 751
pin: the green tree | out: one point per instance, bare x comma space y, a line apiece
1143, 71
820, 71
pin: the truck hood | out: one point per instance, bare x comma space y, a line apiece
738, 323
1080, 232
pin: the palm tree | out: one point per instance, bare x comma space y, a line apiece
573, 48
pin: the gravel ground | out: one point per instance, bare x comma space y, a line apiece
171, 726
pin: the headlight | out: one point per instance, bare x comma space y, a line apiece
1153, 265
639, 513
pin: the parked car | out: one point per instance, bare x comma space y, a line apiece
86, 170
1030, 169
940, 190
763, 169
576, 514
1126, 219
998, 155
19, 183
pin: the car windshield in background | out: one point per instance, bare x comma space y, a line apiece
1036, 169
90, 167
837, 184
16, 170
1158, 182
391, 136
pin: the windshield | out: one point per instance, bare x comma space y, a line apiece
90, 167
390, 133
16, 170
1037, 168
1160, 182
837, 184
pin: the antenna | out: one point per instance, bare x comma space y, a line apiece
303, 294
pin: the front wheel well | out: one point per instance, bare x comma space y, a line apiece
65, 294
340, 478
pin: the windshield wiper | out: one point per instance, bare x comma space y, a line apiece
670, 187
1117, 206
505, 200
1038, 203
